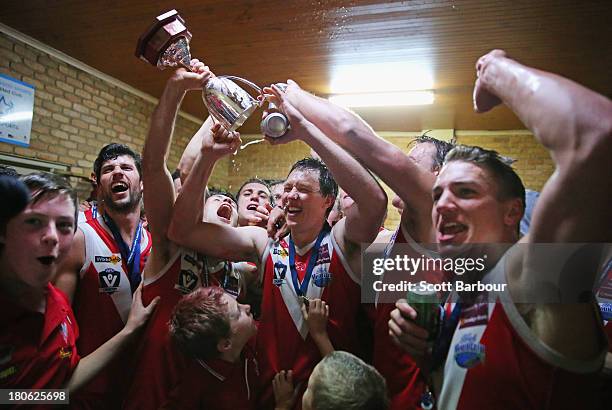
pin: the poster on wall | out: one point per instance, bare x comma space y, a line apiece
16, 109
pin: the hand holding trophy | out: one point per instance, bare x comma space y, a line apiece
166, 44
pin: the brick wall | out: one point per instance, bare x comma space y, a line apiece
533, 163
76, 113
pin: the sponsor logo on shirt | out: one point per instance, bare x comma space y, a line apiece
321, 277
468, 352
114, 259
323, 256
474, 315
109, 280
282, 252
8, 372
64, 353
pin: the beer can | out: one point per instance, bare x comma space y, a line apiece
427, 306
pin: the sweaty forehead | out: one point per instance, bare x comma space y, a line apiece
220, 198
121, 159
305, 176
459, 171
256, 187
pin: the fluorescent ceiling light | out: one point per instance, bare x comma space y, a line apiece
381, 77
384, 99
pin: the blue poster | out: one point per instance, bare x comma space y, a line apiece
16, 109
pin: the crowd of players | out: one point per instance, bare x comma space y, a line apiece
206, 300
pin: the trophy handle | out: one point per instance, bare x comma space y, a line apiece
242, 80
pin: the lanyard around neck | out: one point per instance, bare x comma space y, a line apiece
301, 289
131, 255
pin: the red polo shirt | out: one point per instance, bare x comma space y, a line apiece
37, 351
217, 385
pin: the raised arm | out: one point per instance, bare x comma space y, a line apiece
575, 125
158, 187
193, 149
403, 175
187, 228
364, 219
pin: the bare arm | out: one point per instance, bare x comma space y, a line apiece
90, 365
365, 217
575, 125
187, 228
193, 149
405, 177
67, 277
158, 187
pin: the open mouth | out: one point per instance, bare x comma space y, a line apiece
46, 260
293, 210
119, 187
449, 230
252, 207
224, 212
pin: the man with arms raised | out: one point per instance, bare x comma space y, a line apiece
173, 271
479, 199
411, 177
313, 262
103, 269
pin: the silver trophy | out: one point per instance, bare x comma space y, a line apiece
166, 44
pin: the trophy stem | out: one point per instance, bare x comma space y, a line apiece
185, 66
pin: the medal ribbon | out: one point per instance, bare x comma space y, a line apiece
301, 289
443, 342
131, 256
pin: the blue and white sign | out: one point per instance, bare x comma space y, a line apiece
16, 109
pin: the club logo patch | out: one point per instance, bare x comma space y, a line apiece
321, 277
280, 271
187, 281
468, 352
109, 280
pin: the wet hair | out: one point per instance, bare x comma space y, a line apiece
442, 148
218, 191
199, 321
345, 382
252, 181
112, 151
327, 184
509, 183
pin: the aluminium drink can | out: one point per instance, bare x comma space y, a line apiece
427, 305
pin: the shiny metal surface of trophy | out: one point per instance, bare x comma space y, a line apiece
166, 44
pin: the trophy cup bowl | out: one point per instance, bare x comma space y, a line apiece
166, 44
